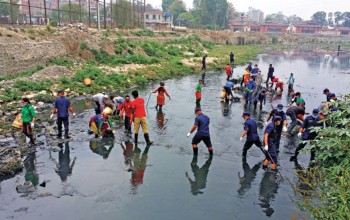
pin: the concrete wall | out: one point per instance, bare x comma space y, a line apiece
19, 57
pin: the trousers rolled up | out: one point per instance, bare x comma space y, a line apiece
140, 122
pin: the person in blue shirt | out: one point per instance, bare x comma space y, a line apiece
232, 58
255, 71
270, 73
201, 124
228, 88
327, 93
306, 134
269, 141
251, 130
251, 86
281, 127
261, 98
62, 107
291, 82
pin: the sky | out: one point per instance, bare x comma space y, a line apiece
301, 8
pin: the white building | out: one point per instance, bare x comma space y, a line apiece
158, 20
255, 15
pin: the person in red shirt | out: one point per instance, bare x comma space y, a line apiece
127, 109
228, 71
161, 96
139, 117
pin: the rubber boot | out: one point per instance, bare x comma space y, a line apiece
136, 137
266, 163
147, 139
31, 140
195, 151
66, 135
273, 166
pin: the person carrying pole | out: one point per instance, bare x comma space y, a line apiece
201, 124
161, 96
250, 129
270, 143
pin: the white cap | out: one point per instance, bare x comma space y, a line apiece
105, 96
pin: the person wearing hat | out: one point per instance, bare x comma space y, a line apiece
161, 95
139, 117
250, 88
270, 135
28, 118
327, 93
295, 112
201, 124
282, 126
251, 130
261, 98
62, 108
306, 133
98, 101
291, 82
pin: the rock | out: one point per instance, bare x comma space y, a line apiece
45, 194
1, 101
22, 209
4, 119
41, 103
55, 149
32, 102
67, 90
27, 187
15, 112
1, 112
43, 92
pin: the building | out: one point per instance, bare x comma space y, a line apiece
255, 15
158, 20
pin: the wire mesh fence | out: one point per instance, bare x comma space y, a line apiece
93, 13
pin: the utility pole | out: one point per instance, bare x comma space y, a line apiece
98, 15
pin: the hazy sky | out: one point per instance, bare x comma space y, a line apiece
302, 8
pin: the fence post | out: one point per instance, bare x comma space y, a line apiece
80, 11
89, 14
70, 13
98, 15
30, 13
58, 12
105, 14
111, 5
45, 12
11, 12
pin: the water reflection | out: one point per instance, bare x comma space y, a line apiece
200, 175
99, 147
161, 122
128, 152
30, 170
64, 166
248, 177
226, 108
267, 192
138, 170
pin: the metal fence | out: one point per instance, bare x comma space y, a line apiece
111, 13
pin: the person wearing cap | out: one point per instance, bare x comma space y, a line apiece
291, 82
270, 73
250, 88
251, 130
161, 95
28, 118
228, 88
327, 93
139, 117
270, 143
198, 92
98, 102
295, 113
118, 101
62, 108
261, 98
306, 133
282, 126
201, 124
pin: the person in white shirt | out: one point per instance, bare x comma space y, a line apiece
98, 102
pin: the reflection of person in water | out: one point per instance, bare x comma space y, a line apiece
161, 121
29, 165
99, 147
268, 190
225, 108
140, 164
128, 151
249, 176
64, 168
200, 175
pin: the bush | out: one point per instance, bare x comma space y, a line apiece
88, 71
62, 62
144, 32
10, 95
83, 46
140, 80
25, 85
31, 31
53, 23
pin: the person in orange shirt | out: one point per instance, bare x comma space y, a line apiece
126, 108
228, 71
161, 97
139, 117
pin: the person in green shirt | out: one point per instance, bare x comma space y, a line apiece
198, 92
28, 118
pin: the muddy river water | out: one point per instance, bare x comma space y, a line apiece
88, 179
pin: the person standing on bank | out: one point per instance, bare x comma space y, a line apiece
139, 117
204, 62
250, 129
161, 96
201, 124
28, 118
62, 108
232, 58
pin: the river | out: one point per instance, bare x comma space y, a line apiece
89, 180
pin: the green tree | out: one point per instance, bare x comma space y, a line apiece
74, 10
231, 12
122, 13
177, 7
319, 17
149, 7
196, 4
188, 18
337, 18
6, 12
346, 18
166, 4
